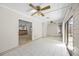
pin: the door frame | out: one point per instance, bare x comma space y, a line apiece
66, 31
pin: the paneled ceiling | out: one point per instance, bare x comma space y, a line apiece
56, 12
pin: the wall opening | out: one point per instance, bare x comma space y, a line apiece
25, 32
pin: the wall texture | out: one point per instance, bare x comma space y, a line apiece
36, 29
8, 29
52, 29
76, 35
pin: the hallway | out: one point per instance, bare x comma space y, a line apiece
50, 46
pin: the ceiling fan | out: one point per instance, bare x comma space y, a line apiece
39, 9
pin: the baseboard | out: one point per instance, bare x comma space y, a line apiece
53, 35
4, 52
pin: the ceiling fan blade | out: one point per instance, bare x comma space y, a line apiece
45, 8
32, 6
41, 14
33, 13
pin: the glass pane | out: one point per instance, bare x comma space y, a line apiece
70, 34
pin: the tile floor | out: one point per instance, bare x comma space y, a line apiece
49, 46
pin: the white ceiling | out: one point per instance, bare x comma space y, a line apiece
56, 12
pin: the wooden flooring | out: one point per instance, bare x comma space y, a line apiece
24, 39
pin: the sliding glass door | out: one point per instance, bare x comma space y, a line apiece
69, 33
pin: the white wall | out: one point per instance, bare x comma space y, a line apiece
8, 29
44, 29
52, 29
36, 29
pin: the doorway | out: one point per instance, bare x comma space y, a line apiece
25, 32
